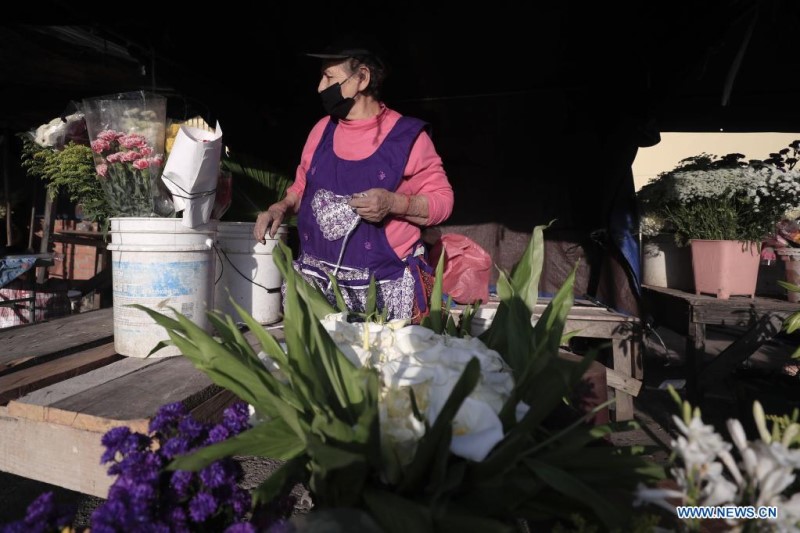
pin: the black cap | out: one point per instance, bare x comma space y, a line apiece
351, 46
341, 53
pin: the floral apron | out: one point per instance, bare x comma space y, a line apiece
335, 240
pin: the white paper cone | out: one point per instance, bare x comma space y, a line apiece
191, 173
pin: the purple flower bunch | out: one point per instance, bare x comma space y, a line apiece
42, 516
147, 497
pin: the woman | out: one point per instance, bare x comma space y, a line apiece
368, 179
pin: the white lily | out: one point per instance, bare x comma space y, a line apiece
788, 513
761, 422
412, 340
700, 444
476, 430
405, 372
730, 464
737, 434
416, 357
645, 494
521, 410
718, 490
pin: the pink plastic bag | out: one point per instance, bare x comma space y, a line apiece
467, 268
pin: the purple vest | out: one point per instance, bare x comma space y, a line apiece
334, 239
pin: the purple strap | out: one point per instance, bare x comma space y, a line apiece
417, 265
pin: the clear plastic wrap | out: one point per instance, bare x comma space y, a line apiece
127, 138
224, 196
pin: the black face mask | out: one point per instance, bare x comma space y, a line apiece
334, 103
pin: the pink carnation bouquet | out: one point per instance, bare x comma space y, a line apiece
127, 132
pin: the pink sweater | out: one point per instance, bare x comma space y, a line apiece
423, 175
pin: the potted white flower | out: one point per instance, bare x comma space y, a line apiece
724, 207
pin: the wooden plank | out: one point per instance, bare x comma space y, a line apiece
695, 353
26, 345
18, 383
135, 396
638, 360
80, 238
622, 406
599, 314
623, 364
621, 382
211, 409
47, 228
32, 405
668, 307
53, 453
722, 314
602, 330
727, 360
711, 310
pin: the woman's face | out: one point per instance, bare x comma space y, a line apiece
339, 73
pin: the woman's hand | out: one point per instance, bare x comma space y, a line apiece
374, 204
271, 220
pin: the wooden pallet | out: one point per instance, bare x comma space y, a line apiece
60, 391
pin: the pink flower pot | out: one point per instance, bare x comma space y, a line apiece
725, 268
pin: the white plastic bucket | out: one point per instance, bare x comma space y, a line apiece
246, 272
160, 264
665, 264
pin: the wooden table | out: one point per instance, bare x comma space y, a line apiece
689, 314
100, 283
62, 385
623, 332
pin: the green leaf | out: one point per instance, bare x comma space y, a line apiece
578, 491
792, 323
465, 322
550, 386
318, 304
221, 326
337, 292
440, 433
435, 311
281, 480
273, 439
372, 298
550, 326
789, 286
241, 373
526, 273
304, 367
267, 341
396, 514
337, 475
468, 522
340, 519
545, 340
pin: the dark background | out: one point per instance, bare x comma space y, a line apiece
536, 110
531, 107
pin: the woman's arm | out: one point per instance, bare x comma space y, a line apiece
424, 197
426, 181
271, 219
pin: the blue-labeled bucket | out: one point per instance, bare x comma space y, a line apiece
163, 265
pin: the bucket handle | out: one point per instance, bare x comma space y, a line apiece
222, 264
